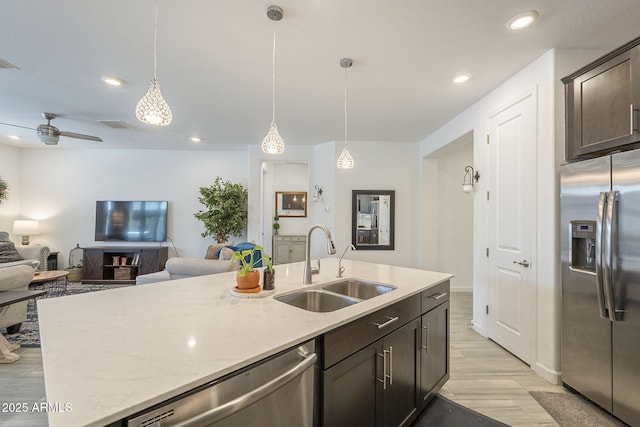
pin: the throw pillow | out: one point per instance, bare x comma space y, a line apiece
8, 252
213, 251
226, 253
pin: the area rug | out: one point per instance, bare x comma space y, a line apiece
443, 412
571, 410
29, 335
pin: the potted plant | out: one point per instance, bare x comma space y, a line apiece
269, 275
276, 225
75, 273
226, 212
247, 277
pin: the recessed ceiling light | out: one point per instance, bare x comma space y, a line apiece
522, 20
461, 78
113, 81
14, 137
195, 139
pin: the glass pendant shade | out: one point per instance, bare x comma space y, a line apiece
273, 143
345, 161
152, 109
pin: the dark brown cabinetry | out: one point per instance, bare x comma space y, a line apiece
602, 104
382, 370
434, 345
104, 264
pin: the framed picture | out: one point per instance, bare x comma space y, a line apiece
291, 203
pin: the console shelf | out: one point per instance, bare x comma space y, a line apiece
106, 264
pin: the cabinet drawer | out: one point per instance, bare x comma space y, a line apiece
435, 296
350, 338
280, 239
298, 238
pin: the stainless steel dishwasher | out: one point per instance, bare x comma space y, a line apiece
276, 392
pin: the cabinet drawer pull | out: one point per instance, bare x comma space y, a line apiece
387, 323
632, 121
390, 365
437, 297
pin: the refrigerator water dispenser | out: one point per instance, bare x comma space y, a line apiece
583, 246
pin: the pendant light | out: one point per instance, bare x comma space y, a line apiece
345, 161
152, 109
273, 143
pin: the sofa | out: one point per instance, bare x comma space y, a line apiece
218, 259
12, 254
15, 278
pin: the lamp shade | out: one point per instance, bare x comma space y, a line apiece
26, 227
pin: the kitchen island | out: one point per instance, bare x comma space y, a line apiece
108, 355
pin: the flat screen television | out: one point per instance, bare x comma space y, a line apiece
131, 221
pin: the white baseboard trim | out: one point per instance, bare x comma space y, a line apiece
479, 329
462, 289
548, 374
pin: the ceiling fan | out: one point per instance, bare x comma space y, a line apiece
50, 134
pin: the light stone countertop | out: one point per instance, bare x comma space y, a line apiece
109, 354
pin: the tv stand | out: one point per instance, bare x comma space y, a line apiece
105, 264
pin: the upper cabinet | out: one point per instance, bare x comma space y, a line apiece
602, 104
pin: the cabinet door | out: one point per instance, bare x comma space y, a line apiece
148, 262
349, 390
298, 249
281, 251
602, 113
400, 396
92, 263
434, 351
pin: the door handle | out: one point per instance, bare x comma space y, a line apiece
524, 263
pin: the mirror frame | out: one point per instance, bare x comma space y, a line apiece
354, 219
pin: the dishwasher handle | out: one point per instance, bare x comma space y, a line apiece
252, 397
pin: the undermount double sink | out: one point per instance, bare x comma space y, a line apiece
334, 295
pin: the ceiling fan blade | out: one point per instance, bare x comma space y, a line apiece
81, 136
17, 126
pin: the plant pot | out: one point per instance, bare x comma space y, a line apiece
75, 274
250, 280
268, 279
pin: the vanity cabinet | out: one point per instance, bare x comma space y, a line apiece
383, 369
288, 249
602, 104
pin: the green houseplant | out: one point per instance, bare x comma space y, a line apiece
226, 209
276, 225
4, 190
247, 276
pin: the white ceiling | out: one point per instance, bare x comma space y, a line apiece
214, 64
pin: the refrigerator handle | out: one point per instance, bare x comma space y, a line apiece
602, 207
610, 255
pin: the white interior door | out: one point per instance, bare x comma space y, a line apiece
512, 225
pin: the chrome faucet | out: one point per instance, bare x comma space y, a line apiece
340, 267
331, 249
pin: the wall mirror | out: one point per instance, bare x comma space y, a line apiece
372, 221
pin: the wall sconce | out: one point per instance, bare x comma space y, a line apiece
26, 228
317, 193
467, 181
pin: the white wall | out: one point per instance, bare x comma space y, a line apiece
10, 172
455, 214
60, 186
543, 75
381, 166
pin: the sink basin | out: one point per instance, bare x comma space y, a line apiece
316, 300
357, 288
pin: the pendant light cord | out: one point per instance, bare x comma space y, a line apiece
345, 106
155, 41
273, 70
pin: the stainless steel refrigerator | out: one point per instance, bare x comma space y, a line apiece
600, 244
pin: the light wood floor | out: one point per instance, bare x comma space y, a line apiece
484, 377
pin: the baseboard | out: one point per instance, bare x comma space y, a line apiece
479, 329
461, 289
550, 375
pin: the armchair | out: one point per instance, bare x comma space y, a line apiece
35, 256
16, 278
